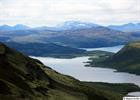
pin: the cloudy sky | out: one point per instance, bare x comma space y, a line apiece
52, 12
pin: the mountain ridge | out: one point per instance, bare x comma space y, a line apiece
15, 27
129, 27
45, 49
73, 25
77, 34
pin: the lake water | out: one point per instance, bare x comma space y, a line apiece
76, 67
113, 49
137, 94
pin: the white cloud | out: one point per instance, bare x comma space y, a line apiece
44, 12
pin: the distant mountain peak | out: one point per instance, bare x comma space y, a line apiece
126, 27
15, 27
68, 25
20, 26
5, 25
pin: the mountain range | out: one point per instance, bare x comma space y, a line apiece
72, 34
68, 25
74, 25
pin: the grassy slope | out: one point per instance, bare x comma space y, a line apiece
24, 78
116, 90
127, 59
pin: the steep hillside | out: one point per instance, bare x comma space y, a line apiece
24, 78
127, 59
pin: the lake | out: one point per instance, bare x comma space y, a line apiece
113, 49
76, 67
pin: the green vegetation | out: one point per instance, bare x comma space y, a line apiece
24, 78
115, 88
126, 60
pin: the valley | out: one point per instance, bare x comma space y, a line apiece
25, 78
94, 61
75, 67
69, 49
